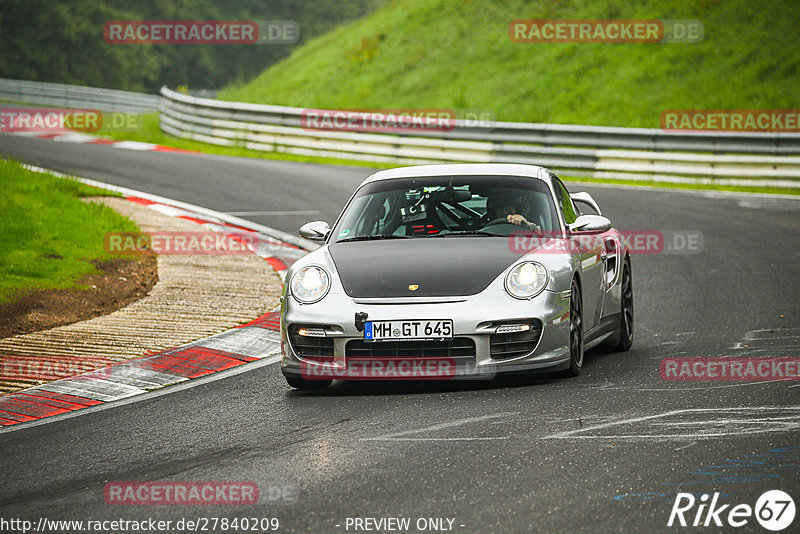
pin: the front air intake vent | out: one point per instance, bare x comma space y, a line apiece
515, 344
458, 347
310, 347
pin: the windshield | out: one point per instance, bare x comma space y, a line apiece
439, 206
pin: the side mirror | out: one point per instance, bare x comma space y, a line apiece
315, 231
586, 198
590, 224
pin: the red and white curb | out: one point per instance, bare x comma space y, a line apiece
258, 340
87, 139
277, 253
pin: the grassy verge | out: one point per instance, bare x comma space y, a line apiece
697, 187
48, 235
445, 54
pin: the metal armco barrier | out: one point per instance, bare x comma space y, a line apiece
76, 96
637, 154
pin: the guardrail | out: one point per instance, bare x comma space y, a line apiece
76, 96
607, 152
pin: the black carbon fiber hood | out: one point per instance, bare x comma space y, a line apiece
443, 266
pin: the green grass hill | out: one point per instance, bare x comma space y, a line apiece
458, 54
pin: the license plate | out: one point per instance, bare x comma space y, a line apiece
416, 330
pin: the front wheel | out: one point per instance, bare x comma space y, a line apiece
575, 331
626, 320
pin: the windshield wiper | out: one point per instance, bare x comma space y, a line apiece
469, 233
372, 237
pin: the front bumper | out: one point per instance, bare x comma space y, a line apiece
475, 317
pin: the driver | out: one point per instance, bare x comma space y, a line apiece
505, 207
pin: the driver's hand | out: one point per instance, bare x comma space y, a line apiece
520, 220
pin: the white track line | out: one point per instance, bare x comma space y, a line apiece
398, 436
573, 434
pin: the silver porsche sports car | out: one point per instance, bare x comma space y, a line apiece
456, 271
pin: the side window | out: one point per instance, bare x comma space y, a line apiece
562, 196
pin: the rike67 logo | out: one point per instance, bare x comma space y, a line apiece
774, 510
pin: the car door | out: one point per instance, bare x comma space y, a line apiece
590, 250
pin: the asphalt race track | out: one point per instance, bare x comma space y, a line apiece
604, 452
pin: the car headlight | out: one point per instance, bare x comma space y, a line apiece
526, 280
310, 284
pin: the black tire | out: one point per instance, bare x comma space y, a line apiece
625, 336
302, 383
575, 331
